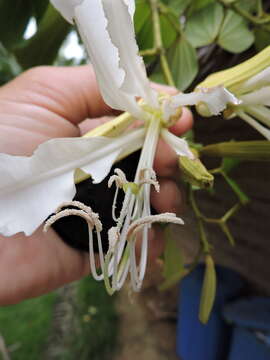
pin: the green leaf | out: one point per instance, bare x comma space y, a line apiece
39, 7
235, 35
179, 6
142, 14
199, 4
183, 63
262, 38
208, 290
9, 68
158, 76
204, 25
145, 36
173, 261
168, 32
249, 5
43, 48
14, 17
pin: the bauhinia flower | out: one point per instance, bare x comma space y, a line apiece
250, 83
31, 188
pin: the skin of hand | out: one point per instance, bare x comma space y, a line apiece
50, 102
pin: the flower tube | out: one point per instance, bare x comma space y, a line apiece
250, 83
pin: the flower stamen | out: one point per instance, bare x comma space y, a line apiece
92, 220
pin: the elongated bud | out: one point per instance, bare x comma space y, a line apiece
243, 150
233, 78
208, 290
195, 173
238, 80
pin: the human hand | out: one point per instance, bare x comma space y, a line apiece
46, 103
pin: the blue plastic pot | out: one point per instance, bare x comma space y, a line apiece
196, 341
251, 334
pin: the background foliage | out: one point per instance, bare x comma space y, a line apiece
182, 41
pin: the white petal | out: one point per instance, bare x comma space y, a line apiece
66, 8
121, 30
215, 98
104, 55
131, 7
98, 168
179, 145
32, 187
257, 81
258, 97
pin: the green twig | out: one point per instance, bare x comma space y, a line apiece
149, 52
256, 20
159, 44
199, 217
260, 11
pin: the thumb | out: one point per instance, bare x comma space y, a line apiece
71, 92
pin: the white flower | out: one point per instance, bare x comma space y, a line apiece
254, 95
249, 82
106, 27
31, 188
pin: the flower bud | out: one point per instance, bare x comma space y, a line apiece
195, 172
243, 150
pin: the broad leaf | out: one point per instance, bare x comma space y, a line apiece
183, 63
204, 25
43, 47
39, 7
235, 35
14, 17
250, 5
9, 68
145, 36
262, 38
199, 4
142, 14
178, 6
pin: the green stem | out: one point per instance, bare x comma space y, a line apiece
159, 44
149, 52
256, 20
260, 11
231, 212
199, 216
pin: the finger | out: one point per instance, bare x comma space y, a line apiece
169, 199
71, 92
165, 163
184, 124
32, 266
